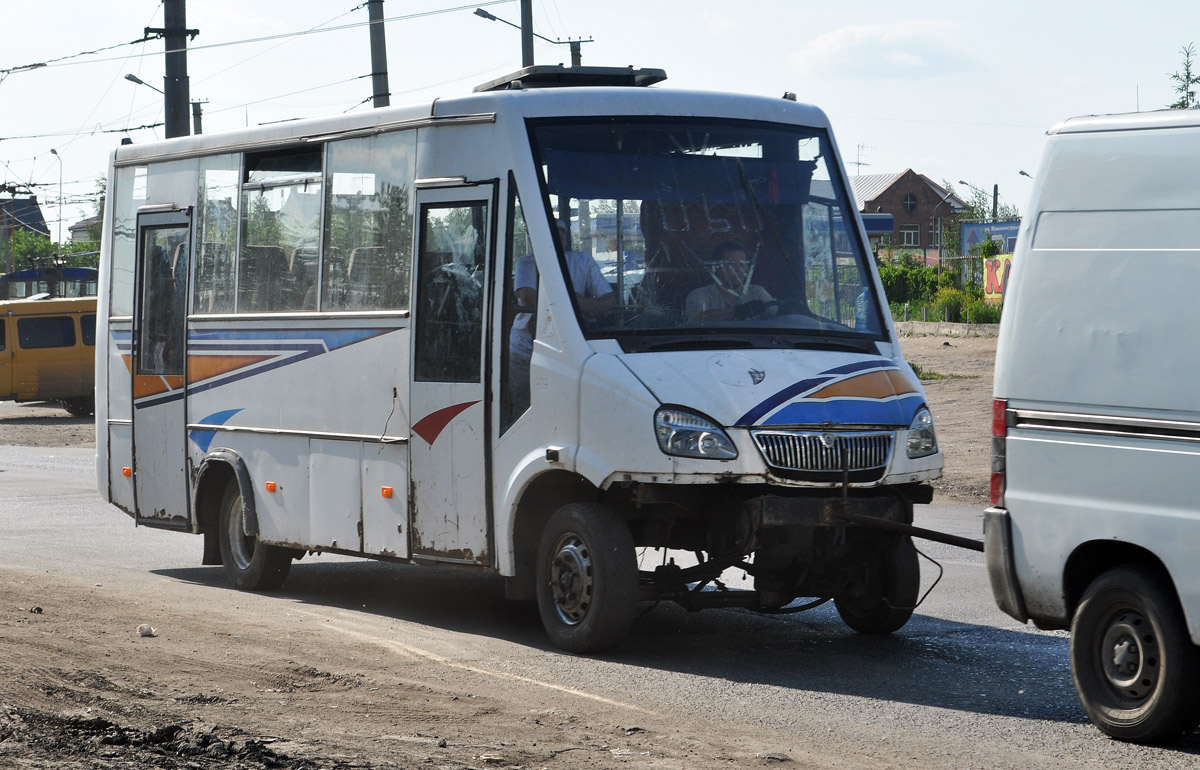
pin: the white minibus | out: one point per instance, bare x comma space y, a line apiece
424, 334
1096, 423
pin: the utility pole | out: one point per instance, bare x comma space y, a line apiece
995, 203
175, 79
196, 119
381, 96
526, 33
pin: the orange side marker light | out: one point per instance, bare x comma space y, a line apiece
386, 492
127, 472
270, 486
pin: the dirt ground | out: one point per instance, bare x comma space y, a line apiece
81, 689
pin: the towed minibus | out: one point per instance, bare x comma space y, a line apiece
474, 333
1096, 422
48, 350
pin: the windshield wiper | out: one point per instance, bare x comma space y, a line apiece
689, 343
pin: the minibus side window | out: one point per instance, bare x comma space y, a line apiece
216, 234
281, 227
520, 303
46, 332
3, 337
128, 194
369, 222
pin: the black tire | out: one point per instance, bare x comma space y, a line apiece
249, 564
1134, 665
882, 594
79, 407
587, 578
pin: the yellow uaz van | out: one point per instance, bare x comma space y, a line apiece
48, 352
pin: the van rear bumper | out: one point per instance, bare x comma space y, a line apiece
998, 555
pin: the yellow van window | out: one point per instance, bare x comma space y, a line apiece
47, 332
87, 329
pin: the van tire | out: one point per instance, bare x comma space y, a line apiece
587, 578
249, 564
882, 594
79, 407
1133, 662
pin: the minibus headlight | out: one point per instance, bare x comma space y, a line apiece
686, 434
922, 440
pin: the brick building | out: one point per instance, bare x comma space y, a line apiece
917, 204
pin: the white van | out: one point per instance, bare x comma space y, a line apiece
1096, 420
423, 334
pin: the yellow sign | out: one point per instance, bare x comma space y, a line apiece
995, 277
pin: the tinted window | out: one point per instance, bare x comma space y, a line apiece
87, 328
48, 332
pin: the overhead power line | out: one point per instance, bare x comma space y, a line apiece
268, 38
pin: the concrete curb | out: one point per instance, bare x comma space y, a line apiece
945, 329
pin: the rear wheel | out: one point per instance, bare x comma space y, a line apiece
587, 578
250, 565
882, 594
1135, 668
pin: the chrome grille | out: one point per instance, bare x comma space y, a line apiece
814, 452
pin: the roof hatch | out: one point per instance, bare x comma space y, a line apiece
558, 76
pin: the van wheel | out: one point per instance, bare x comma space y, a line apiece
587, 578
250, 565
882, 594
79, 407
1135, 668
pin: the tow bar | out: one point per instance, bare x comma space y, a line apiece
895, 526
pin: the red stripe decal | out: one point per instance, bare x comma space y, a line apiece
431, 425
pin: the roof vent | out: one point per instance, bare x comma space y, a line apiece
558, 76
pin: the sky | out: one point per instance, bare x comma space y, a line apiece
954, 91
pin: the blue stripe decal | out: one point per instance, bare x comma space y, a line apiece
331, 338
850, 411
166, 398
204, 438
787, 394
803, 386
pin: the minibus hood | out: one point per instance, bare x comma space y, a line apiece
767, 388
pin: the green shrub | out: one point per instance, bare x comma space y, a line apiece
980, 312
948, 305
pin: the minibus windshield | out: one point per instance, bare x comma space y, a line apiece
707, 232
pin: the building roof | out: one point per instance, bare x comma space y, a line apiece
870, 186
23, 214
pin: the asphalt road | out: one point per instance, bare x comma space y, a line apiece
962, 685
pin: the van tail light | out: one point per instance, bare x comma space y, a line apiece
999, 433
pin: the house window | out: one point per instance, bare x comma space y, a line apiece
911, 234
910, 203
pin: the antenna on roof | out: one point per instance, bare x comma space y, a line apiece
858, 162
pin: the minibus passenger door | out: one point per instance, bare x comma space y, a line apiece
159, 358
448, 448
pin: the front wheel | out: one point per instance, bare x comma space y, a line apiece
249, 564
587, 578
883, 593
1134, 665
84, 406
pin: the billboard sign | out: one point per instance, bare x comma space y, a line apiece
975, 233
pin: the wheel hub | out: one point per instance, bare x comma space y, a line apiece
1129, 655
571, 579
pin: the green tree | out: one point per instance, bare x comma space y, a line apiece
1185, 80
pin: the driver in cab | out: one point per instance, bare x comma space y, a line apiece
731, 296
